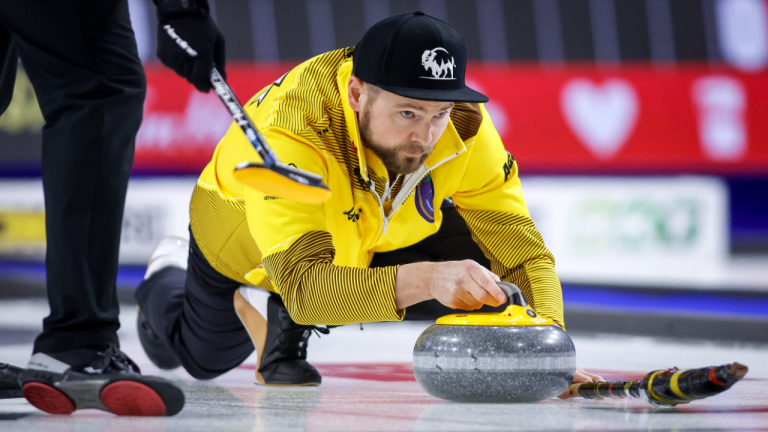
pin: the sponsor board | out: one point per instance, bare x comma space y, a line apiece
634, 231
22, 220
22, 233
574, 119
641, 231
154, 208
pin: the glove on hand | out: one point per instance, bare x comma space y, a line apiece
189, 42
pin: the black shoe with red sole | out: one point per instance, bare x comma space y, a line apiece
112, 382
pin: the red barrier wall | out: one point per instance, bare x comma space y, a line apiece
572, 119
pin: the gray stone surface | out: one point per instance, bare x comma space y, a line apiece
494, 364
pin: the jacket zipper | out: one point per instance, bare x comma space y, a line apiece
395, 208
372, 188
385, 224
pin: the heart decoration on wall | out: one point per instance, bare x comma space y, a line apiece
601, 116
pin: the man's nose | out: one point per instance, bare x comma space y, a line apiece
423, 133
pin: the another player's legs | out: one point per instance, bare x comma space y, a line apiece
9, 59
82, 60
9, 375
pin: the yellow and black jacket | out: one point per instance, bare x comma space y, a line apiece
316, 256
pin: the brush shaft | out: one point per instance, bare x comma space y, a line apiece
241, 118
615, 390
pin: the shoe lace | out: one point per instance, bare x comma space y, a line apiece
110, 357
293, 337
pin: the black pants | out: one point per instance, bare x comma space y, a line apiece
193, 310
81, 58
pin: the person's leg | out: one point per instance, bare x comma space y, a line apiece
82, 60
9, 375
193, 312
452, 242
9, 59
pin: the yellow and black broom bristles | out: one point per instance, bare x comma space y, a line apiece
667, 387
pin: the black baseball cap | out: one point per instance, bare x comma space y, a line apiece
416, 56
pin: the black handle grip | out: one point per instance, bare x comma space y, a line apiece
513, 292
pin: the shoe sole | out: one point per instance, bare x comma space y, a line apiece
153, 257
48, 399
255, 325
261, 381
129, 398
123, 398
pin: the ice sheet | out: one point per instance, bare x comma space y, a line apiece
367, 386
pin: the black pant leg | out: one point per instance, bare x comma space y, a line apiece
9, 58
452, 242
193, 311
82, 60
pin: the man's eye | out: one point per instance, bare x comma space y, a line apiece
406, 114
442, 114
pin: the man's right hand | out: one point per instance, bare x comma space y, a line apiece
457, 284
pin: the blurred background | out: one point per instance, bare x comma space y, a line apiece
640, 128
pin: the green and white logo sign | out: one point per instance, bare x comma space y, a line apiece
636, 225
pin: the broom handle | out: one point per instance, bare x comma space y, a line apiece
241, 118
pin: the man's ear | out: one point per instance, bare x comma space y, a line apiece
355, 88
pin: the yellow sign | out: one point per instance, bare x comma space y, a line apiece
22, 232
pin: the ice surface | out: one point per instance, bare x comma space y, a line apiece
367, 386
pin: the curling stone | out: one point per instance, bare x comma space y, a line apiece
511, 356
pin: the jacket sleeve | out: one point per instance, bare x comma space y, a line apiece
298, 253
491, 201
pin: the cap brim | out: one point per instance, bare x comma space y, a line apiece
465, 94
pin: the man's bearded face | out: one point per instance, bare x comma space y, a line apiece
403, 158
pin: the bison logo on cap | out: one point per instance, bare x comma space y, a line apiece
439, 62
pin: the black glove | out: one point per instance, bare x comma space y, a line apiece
189, 42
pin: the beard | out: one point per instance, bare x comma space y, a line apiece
390, 156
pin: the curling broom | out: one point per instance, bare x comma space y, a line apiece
667, 387
272, 177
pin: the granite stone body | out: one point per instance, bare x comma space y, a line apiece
494, 364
